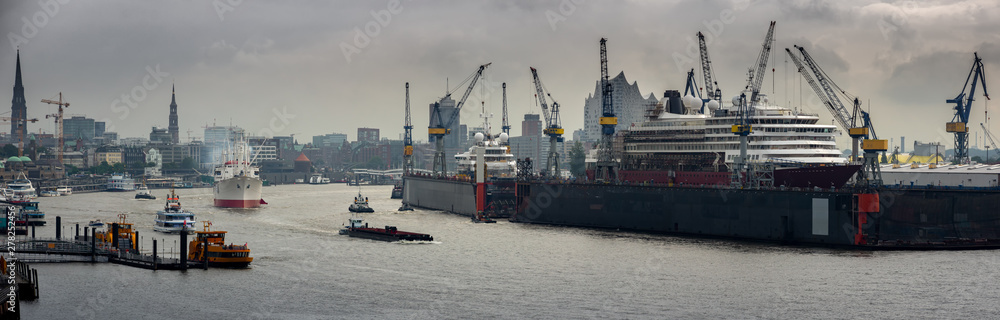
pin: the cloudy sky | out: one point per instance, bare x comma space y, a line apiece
315, 67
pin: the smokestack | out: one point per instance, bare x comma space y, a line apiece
902, 144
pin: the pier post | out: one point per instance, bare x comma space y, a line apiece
184, 262
32, 232
114, 235
135, 241
77, 232
85, 234
58, 228
204, 256
154, 254
93, 247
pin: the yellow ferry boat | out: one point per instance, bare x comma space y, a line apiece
126, 235
219, 254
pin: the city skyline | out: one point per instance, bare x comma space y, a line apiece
316, 68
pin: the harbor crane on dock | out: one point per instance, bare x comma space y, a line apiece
407, 137
59, 124
442, 127
959, 124
745, 110
553, 127
20, 138
712, 91
607, 167
863, 132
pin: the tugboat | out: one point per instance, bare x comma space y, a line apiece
143, 192
173, 219
360, 203
359, 229
397, 191
213, 244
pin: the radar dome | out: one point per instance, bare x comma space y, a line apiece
713, 105
764, 99
736, 100
689, 101
480, 137
503, 137
697, 103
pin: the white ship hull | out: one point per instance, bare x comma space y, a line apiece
238, 192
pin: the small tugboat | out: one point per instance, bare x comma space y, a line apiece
397, 191
360, 203
142, 192
174, 219
210, 246
31, 215
359, 229
95, 223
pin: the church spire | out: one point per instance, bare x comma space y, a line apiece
17, 80
172, 128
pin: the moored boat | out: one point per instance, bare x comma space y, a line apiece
64, 190
31, 215
119, 182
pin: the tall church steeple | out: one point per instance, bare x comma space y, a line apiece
19, 107
172, 129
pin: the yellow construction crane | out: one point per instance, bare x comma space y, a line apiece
20, 138
59, 123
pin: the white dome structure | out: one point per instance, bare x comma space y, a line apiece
480, 137
503, 137
713, 105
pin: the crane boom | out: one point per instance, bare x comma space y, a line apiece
505, 126
407, 137
757, 76
989, 136
472, 84
839, 115
840, 111
712, 90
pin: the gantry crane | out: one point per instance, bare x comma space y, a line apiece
712, 91
20, 138
992, 139
59, 123
505, 126
870, 174
553, 126
959, 124
407, 137
607, 168
439, 129
743, 126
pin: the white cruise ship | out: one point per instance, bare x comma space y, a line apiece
679, 143
499, 161
237, 182
120, 182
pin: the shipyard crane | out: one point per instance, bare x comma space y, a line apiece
407, 137
607, 168
439, 129
959, 124
59, 123
20, 138
553, 127
505, 127
992, 139
864, 132
712, 90
744, 120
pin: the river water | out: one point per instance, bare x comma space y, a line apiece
303, 269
